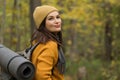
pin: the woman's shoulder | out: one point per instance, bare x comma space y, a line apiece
51, 45
50, 48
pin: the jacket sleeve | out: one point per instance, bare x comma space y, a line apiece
44, 66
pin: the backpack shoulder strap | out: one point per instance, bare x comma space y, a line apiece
29, 51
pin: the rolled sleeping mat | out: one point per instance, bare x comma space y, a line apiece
15, 64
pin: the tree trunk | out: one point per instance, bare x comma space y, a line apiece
3, 23
73, 37
108, 32
13, 24
108, 40
18, 35
33, 4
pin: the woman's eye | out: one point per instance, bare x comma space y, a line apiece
50, 18
58, 17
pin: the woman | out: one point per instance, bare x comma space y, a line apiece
48, 57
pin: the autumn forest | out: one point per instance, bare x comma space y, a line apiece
91, 34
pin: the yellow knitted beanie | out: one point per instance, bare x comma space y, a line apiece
41, 12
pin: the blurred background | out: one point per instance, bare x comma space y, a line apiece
91, 33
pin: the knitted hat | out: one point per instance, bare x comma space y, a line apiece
41, 12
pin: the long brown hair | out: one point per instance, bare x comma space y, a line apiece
43, 35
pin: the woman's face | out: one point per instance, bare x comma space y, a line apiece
53, 22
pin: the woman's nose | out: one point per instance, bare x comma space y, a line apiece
57, 20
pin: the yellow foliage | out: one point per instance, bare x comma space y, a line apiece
69, 42
113, 43
105, 73
113, 64
14, 40
114, 1
7, 30
97, 23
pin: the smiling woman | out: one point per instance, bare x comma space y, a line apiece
48, 56
53, 22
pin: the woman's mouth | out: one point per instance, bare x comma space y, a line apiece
57, 26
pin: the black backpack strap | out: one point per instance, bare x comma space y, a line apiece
29, 51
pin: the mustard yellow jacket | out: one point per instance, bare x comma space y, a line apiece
44, 58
